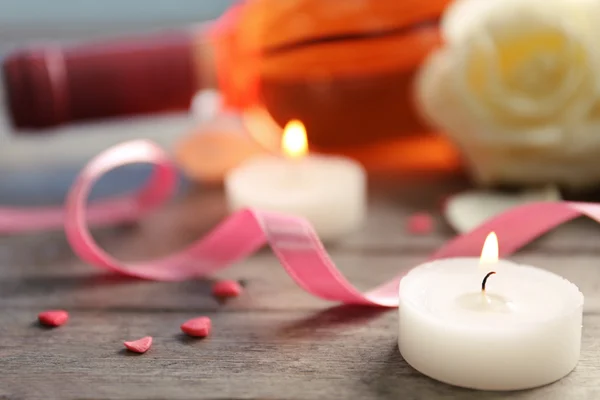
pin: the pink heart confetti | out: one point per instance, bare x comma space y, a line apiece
420, 223
197, 327
53, 318
227, 288
139, 346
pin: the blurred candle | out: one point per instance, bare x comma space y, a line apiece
328, 191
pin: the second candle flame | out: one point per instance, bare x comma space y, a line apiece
489, 253
294, 142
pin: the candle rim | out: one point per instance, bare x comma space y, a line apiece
574, 293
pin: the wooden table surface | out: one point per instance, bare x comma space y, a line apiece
273, 342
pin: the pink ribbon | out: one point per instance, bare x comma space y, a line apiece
292, 239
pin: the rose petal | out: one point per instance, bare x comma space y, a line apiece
467, 210
435, 95
53, 317
462, 17
197, 327
139, 346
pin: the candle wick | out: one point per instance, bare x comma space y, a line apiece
485, 280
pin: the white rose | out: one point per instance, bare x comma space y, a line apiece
516, 87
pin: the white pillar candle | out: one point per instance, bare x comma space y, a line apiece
522, 331
328, 191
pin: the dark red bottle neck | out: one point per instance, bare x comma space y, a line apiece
51, 85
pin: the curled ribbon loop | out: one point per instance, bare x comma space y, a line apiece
292, 239
120, 210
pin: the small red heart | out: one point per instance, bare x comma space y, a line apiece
139, 346
53, 317
226, 288
197, 327
420, 223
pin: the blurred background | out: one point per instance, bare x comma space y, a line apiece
47, 163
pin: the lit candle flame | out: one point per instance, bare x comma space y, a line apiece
489, 252
294, 142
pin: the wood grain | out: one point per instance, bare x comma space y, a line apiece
274, 342
340, 353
